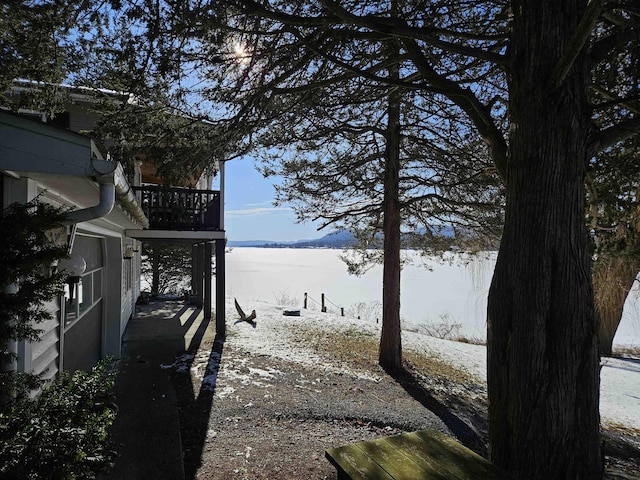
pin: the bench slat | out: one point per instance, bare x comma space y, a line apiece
351, 461
395, 462
424, 455
444, 458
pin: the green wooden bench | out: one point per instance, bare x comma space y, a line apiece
424, 455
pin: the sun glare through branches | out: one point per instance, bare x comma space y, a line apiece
240, 53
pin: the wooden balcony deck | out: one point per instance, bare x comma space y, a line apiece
180, 209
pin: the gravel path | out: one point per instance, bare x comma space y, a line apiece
264, 404
273, 418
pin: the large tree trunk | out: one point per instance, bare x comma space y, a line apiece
390, 340
543, 364
613, 277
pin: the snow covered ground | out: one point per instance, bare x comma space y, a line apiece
620, 378
273, 280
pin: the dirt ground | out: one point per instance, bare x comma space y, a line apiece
247, 415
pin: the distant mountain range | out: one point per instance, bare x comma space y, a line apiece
337, 239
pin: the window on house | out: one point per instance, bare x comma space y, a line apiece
83, 296
87, 293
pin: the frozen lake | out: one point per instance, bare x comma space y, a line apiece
432, 293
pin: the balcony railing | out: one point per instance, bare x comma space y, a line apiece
175, 208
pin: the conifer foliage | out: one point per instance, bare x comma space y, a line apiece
54, 431
26, 276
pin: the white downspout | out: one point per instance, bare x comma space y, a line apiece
104, 206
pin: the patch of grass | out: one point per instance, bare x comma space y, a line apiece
357, 348
629, 350
431, 366
350, 345
620, 428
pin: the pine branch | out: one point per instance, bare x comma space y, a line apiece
612, 135
478, 113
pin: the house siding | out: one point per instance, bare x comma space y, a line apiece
45, 354
83, 341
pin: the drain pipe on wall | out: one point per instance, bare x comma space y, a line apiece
113, 186
104, 206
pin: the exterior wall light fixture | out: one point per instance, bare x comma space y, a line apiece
129, 252
75, 266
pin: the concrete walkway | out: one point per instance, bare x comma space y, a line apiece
146, 431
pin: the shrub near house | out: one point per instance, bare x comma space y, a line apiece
61, 432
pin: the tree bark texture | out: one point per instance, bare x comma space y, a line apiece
390, 340
543, 363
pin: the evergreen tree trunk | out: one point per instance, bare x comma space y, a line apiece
543, 363
390, 340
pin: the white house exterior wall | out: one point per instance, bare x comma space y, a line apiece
115, 303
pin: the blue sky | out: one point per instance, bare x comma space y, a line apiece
249, 210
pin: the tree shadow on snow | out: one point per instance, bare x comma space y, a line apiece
472, 434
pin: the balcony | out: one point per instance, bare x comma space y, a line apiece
178, 209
